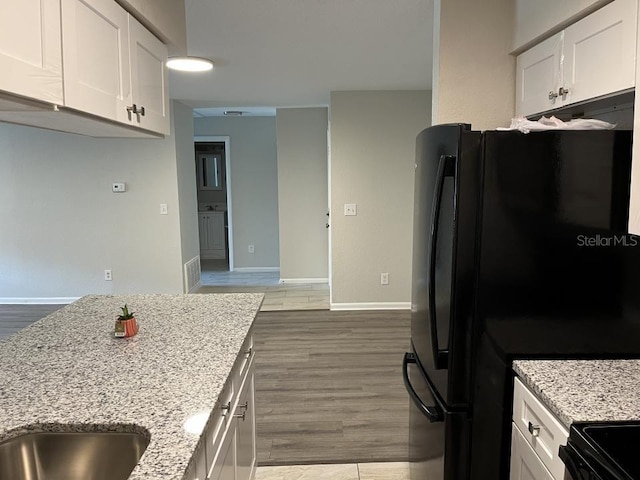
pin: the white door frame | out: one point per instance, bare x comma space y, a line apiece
227, 161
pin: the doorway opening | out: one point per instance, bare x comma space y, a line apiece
213, 205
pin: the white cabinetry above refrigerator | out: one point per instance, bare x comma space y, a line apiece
593, 57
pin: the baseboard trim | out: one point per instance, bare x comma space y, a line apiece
304, 280
256, 269
37, 300
371, 306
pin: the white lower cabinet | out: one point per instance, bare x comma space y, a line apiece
536, 437
224, 467
246, 432
525, 464
213, 238
229, 446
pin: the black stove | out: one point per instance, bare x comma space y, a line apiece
603, 451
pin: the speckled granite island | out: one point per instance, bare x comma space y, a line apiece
67, 372
584, 390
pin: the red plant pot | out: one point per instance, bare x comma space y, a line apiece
126, 328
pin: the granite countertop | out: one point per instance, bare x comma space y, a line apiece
67, 372
584, 390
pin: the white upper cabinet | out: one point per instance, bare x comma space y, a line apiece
600, 52
537, 76
30, 52
113, 67
148, 79
593, 57
95, 43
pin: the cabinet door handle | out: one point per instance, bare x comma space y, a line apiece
244, 408
552, 95
534, 430
135, 110
563, 91
225, 408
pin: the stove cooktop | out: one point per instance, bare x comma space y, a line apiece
611, 448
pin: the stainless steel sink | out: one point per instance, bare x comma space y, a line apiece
71, 456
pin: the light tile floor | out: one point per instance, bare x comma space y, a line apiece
216, 279
348, 471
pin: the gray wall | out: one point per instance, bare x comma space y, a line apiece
254, 185
62, 226
372, 163
186, 171
302, 193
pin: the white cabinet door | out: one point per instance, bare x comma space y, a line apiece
600, 52
246, 429
202, 225
95, 45
538, 76
30, 51
213, 238
216, 231
148, 79
224, 467
525, 464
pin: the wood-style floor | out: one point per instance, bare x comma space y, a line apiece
16, 317
329, 387
328, 384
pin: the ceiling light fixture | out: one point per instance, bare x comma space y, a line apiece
189, 64
233, 113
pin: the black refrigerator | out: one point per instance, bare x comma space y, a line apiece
520, 251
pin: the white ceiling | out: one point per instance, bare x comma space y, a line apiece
285, 53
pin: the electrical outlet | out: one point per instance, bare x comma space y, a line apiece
252, 249
384, 279
107, 275
350, 209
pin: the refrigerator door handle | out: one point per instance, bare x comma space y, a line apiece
433, 413
446, 168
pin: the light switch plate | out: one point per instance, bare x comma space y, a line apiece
118, 187
350, 209
163, 209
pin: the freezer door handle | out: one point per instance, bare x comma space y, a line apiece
432, 412
446, 168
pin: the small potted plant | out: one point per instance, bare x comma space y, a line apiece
126, 325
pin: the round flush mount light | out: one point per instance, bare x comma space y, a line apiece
189, 64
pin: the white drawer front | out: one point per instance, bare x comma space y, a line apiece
525, 464
548, 433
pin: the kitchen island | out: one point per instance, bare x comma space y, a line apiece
68, 373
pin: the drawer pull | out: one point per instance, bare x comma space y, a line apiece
534, 430
225, 408
248, 352
244, 408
